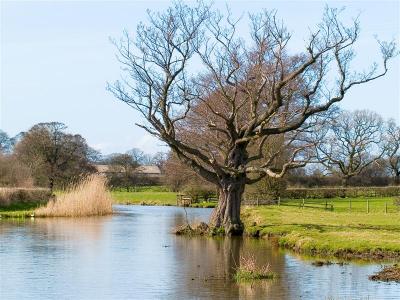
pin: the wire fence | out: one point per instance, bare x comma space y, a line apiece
362, 205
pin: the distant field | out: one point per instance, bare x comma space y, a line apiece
144, 197
376, 204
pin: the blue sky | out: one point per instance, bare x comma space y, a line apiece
56, 59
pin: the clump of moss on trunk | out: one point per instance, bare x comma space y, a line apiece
388, 273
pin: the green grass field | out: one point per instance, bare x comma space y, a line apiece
338, 233
144, 197
374, 204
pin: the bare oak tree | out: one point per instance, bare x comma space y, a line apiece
351, 142
212, 95
392, 139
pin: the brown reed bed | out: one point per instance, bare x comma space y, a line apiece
89, 197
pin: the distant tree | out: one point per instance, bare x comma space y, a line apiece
241, 93
137, 155
54, 156
392, 140
351, 143
375, 174
122, 170
5, 142
177, 174
94, 156
159, 159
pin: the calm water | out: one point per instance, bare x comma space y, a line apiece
133, 255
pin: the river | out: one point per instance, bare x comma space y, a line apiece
134, 255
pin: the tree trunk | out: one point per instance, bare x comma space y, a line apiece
397, 179
227, 214
51, 184
345, 181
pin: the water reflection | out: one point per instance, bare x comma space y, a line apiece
133, 255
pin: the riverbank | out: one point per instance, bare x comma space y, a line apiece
319, 232
153, 198
19, 210
145, 197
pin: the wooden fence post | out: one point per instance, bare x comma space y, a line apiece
279, 201
367, 206
350, 204
385, 207
303, 202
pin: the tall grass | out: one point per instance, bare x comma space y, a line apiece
249, 270
89, 197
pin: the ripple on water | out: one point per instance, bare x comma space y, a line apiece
133, 255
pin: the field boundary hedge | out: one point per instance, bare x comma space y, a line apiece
326, 193
334, 192
9, 196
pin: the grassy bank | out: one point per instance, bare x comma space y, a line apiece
316, 231
19, 210
152, 198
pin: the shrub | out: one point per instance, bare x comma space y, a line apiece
13, 173
197, 192
88, 198
10, 196
269, 189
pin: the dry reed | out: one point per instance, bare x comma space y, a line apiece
249, 270
89, 197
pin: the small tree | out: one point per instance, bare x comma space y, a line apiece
350, 143
212, 97
392, 140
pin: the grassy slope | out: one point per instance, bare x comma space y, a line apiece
316, 231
